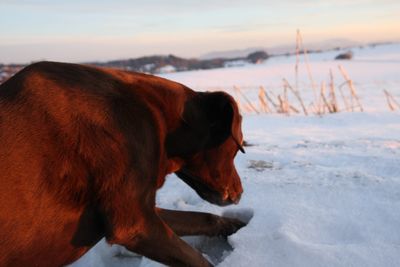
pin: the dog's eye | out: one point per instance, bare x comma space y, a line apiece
240, 147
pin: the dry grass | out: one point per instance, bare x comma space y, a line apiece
326, 101
391, 101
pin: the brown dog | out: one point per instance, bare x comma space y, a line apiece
83, 151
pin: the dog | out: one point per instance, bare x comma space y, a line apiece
83, 151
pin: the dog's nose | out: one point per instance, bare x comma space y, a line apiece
236, 198
238, 193
226, 195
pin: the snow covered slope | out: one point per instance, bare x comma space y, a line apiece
321, 191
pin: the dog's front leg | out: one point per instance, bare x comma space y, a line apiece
152, 238
138, 228
185, 223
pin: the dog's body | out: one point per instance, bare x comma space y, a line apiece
83, 151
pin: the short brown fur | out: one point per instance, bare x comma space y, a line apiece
83, 151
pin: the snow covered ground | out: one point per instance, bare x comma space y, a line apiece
320, 191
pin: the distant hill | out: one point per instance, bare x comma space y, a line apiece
284, 49
232, 53
171, 63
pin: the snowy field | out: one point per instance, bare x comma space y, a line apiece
318, 191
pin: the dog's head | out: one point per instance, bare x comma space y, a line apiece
206, 144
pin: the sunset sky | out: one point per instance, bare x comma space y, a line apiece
77, 31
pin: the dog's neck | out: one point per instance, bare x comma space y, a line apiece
166, 97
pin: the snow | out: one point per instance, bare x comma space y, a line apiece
236, 63
318, 191
166, 69
330, 193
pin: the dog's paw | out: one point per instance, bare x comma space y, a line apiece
227, 226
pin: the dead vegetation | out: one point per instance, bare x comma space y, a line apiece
328, 96
391, 101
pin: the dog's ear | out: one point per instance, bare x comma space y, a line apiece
205, 122
218, 108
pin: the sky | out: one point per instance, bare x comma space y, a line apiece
78, 30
